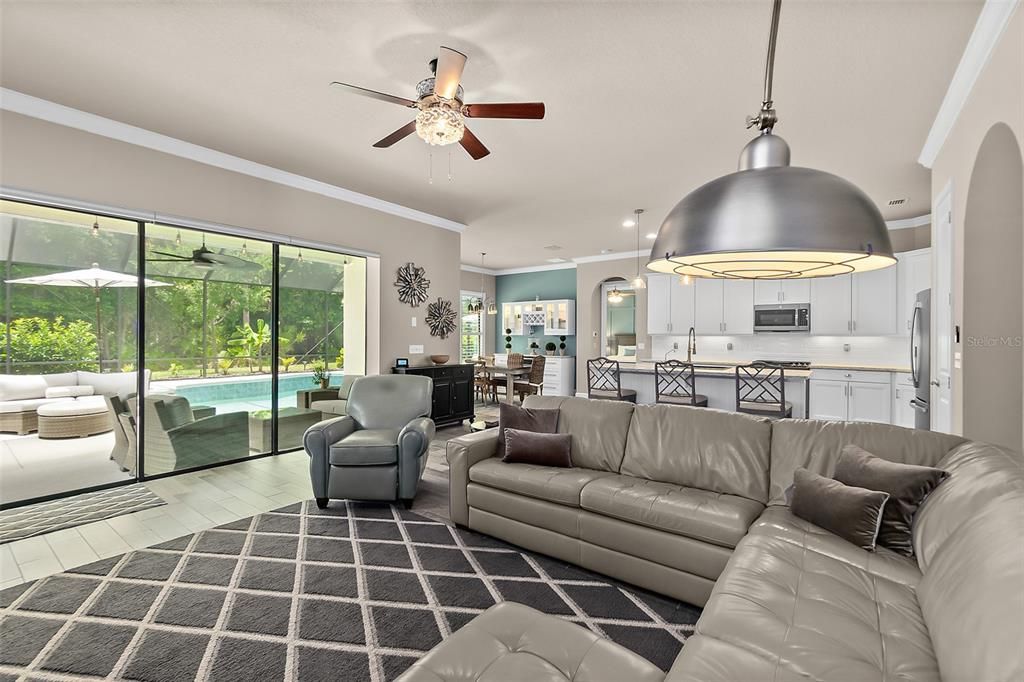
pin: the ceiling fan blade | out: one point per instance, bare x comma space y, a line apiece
168, 260
513, 110
173, 256
394, 137
229, 261
450, 64
473, 145
382, 96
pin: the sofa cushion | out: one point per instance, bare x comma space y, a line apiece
366, 447
545, 449
30, 405
599, 428
530, 419
907, 485
329, 406
690, 512
809, 616
61, 379
852, 513
546, 483
68, 391
111, 383
510, 641
21, 387
815, 445
707, 449
92, 404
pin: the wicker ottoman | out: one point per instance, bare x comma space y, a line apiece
78, 418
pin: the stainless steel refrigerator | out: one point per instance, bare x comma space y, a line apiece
920, 359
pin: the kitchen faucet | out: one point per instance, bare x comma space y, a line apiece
691, 344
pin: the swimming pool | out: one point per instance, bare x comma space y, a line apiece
245, 394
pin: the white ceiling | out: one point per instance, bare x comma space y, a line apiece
645, 100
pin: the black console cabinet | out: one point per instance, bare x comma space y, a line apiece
453, 391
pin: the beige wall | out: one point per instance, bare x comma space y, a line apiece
589, 277
470, 281
911, 238
51, 159
997, 97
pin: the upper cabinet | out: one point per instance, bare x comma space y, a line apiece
552, 318
914, 275
863, 304
768, 291
669, 305
724, 307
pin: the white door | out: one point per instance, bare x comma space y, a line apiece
915, 274
707, 307
767, 291
795, 290
659, 309
874, 302
738, 307
681, 306
870, 402
941, 404
828, 400
830, 306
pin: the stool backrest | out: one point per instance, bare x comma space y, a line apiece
603, 378
674, 383
761, 385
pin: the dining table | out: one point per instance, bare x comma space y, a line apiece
491, 370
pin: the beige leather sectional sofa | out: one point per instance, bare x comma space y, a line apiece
691, 503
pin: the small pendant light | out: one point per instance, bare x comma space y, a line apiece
770, 220
95, 231
638, 282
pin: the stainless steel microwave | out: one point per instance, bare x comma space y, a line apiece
782, 317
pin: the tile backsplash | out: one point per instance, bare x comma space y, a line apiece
880, 350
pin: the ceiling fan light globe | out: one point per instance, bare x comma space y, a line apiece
440, 125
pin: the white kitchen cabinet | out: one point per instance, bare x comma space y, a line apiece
914, 274
707, 307
828, 400
669, 305
738, 307
869, 402
874, 302
559, 375
903, 392
724, 307
560, 317
769, 291
851, 396
556, 317
831, 299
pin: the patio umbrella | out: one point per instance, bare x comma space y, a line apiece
91, 278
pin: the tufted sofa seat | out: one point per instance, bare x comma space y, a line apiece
692, 503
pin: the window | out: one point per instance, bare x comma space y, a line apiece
471, 340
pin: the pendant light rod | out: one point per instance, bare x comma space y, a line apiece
766, 118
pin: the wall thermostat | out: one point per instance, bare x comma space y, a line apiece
402, 362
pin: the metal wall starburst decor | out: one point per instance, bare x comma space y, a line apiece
441, 318
412, 285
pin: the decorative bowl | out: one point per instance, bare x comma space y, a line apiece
439, 359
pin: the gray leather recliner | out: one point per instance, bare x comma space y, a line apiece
378, 450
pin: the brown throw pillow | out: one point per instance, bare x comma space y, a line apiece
525, 419
545, 449
853, 514
907, 485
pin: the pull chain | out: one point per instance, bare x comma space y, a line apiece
430, 168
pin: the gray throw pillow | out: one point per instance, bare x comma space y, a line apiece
907, 484
853, 514
545, 449
525, 419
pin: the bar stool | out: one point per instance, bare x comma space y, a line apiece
603, 381
761, 390
674, 384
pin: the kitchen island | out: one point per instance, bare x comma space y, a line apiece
715, 380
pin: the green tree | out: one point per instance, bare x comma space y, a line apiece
51, 345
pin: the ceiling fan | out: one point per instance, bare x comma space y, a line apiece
442, 111
205, 258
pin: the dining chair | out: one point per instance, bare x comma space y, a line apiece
534, 380
675, 384
481, 382
513, 361
604, 383
761, 390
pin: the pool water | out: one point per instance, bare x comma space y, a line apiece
246, 394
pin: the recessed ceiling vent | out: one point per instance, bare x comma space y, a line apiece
897, 202
552, 247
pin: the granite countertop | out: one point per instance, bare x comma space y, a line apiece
720, 370
713, 368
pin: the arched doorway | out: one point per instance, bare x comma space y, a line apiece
993, 357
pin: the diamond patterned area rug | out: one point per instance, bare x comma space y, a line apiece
46, 517
352, 592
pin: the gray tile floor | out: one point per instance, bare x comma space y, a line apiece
202, 500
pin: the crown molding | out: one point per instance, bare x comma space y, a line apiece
992, 21
477, 269
919, 221
621, 255
518, 271
27, 105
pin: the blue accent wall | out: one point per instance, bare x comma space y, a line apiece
528, 286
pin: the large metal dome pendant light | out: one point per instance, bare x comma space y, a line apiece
770, 220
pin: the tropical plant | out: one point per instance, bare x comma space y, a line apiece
224, 362
128, 367
340, 360
320, 375
287, 361
175, 369
250, 343
67, 345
